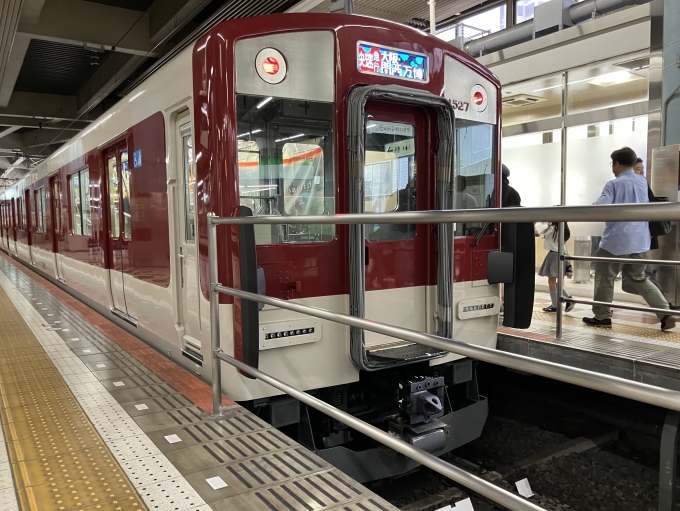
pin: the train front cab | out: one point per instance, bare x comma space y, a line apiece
336, 114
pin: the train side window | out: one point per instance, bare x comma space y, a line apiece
474, 172
40, 212
57, 206
79, 186
285, 162
125, 191
390, 176
35, 211
21, 214
114, 197
189, 188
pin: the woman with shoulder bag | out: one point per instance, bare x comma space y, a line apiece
549, 267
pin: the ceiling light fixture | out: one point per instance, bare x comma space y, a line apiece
264, 102
548, 88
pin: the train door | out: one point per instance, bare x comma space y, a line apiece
14, 227
397, 177
189, 294
55, 211
9, 226
116, 163
3, 226
29, 223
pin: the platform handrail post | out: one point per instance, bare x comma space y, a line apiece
560, 279
667, 463
214, 317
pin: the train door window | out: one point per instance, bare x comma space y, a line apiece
390, 176
20, 225
114, 197
125, 192
190, 188
474, 172
79, 186
40, 212
35, 211
56, 193
21, 213
285, 161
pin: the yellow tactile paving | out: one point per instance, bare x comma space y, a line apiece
59, 461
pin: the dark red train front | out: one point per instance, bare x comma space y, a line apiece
291, 115
324, 114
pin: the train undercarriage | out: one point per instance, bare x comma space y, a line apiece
435, 408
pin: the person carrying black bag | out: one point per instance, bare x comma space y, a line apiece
656, 229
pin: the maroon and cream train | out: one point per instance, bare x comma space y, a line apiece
258, 113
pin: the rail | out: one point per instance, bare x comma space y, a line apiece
649, 394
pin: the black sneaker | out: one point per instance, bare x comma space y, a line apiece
667, 323
602, 323
549, 309
569, 307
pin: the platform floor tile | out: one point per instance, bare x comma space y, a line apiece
57, 460
147, 423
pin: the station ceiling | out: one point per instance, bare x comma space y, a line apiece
64, 62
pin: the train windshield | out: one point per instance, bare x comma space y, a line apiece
285, 163
474, 171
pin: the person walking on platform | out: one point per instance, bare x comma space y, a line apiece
627, 285
549, 267
629, 240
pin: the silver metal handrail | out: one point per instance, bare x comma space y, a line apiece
474, 483
653, 212
629, 389
659, 262
617, 386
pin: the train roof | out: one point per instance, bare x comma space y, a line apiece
169, 82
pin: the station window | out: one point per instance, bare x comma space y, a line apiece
189, 186
285, 162
390, 176
477, 25
79, 185
40, 211
474, 172
619, 82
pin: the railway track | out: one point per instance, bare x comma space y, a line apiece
580, 450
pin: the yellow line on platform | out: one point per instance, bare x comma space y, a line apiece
59, 461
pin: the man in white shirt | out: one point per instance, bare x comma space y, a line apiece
629, 240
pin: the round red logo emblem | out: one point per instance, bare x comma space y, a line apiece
270, 66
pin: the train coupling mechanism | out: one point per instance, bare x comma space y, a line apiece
421, 403
421, 398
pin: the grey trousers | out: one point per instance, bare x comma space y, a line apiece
605, 273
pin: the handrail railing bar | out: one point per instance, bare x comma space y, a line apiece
668, 312
474, 483
560, 280
644, 393
660, 262
600, 213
